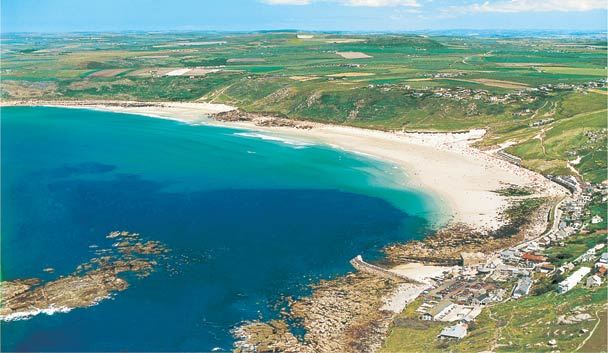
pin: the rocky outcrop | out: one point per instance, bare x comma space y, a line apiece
348, 313
89, 284
446, 245
342, 315
261, 120
274, 336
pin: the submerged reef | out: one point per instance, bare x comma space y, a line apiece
91, 282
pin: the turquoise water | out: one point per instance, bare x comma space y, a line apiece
249, 219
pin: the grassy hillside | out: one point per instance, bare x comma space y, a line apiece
573, 143
389, 82
514, 326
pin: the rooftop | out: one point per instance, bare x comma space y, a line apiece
456, 331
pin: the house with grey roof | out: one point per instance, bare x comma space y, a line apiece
457, 331
439, 310
523, 287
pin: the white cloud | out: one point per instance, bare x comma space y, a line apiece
513, 6
286, 2
355, 3
411, 11
400, 14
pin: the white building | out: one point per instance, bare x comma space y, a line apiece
589, 255
599, 246
594, 281
596, 219
603, 261
456, 331
523, 287
439, 310
573, 280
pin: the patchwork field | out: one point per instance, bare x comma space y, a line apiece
353, 55
390, 82
108, 73
154, 72
543, 102
498, 83
352, 74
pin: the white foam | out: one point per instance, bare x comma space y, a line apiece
291, 142
363, 154
24, 315
51, 310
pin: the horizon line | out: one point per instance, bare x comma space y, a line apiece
320, 31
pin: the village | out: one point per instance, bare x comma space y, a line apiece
460, 293
523, 94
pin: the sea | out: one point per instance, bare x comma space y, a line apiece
251, 218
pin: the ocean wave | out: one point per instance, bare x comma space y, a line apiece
51, 310
25, 315
284, 140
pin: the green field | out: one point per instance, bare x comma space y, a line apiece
411, 82
541, 99
579, 130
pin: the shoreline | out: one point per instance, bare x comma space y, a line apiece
460, 179
356, 310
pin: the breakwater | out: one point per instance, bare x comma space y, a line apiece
358, 263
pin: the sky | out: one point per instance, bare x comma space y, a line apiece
313, 15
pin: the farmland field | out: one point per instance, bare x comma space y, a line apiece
390, 82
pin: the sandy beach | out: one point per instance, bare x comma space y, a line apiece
420, 272
461, 178
408, 292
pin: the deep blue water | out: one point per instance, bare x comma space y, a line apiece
248, 220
